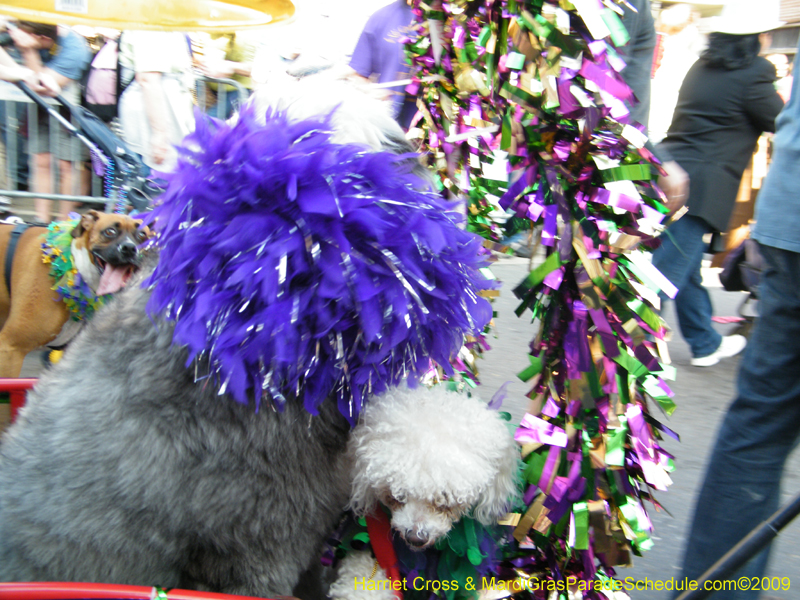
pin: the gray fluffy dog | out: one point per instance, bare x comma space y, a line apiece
122, 469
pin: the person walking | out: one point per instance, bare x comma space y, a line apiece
727, 100
742, 484
61, 55
156, 109
380, 53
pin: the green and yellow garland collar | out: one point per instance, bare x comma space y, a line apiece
76, 294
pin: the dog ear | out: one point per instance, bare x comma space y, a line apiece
87, 222
504, 489
360, 449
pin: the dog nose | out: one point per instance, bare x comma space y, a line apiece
128, 249
416, 538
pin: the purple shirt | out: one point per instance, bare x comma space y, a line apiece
379, 51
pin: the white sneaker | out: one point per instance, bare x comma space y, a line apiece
731, 345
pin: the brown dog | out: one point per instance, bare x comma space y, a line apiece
105, 250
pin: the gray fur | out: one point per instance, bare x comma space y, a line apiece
121, 469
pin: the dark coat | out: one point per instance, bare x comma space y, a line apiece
638, 54
717, 122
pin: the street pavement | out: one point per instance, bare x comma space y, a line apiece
702, 396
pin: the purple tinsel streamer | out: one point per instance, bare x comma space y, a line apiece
297, 267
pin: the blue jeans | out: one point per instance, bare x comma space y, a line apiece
679, 258
742, 484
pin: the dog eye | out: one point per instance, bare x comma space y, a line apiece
140, 235
110, 232
444, 508
393, 502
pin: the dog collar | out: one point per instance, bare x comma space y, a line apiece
380, 537
74, 291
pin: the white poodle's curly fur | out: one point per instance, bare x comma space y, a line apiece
354, 581
431, 456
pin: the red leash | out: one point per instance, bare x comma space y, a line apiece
380, 536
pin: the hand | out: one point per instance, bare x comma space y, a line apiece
27, 76
49, 85
366, 86
19, 73
160, 147
24, 40
218, 70
675, 185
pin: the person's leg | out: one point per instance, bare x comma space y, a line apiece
231, 104
681, 245
680, 258
742, 483
68, 180
75, 178
135, 126
694, 311
41, 184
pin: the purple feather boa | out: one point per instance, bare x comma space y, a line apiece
297, 267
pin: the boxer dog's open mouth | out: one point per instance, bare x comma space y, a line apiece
113, 277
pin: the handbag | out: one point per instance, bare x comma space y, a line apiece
741, 269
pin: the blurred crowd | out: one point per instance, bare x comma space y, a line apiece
146, 85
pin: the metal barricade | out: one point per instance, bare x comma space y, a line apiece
20, 128
226, 101
20, 123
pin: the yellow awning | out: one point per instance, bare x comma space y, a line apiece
153, 15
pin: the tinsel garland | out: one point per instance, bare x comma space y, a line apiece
541, 82
297, 267
75, 293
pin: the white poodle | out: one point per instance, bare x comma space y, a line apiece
431, 456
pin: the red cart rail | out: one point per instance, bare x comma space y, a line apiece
17, 389
89, 591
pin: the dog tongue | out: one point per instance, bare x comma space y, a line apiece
113, 279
